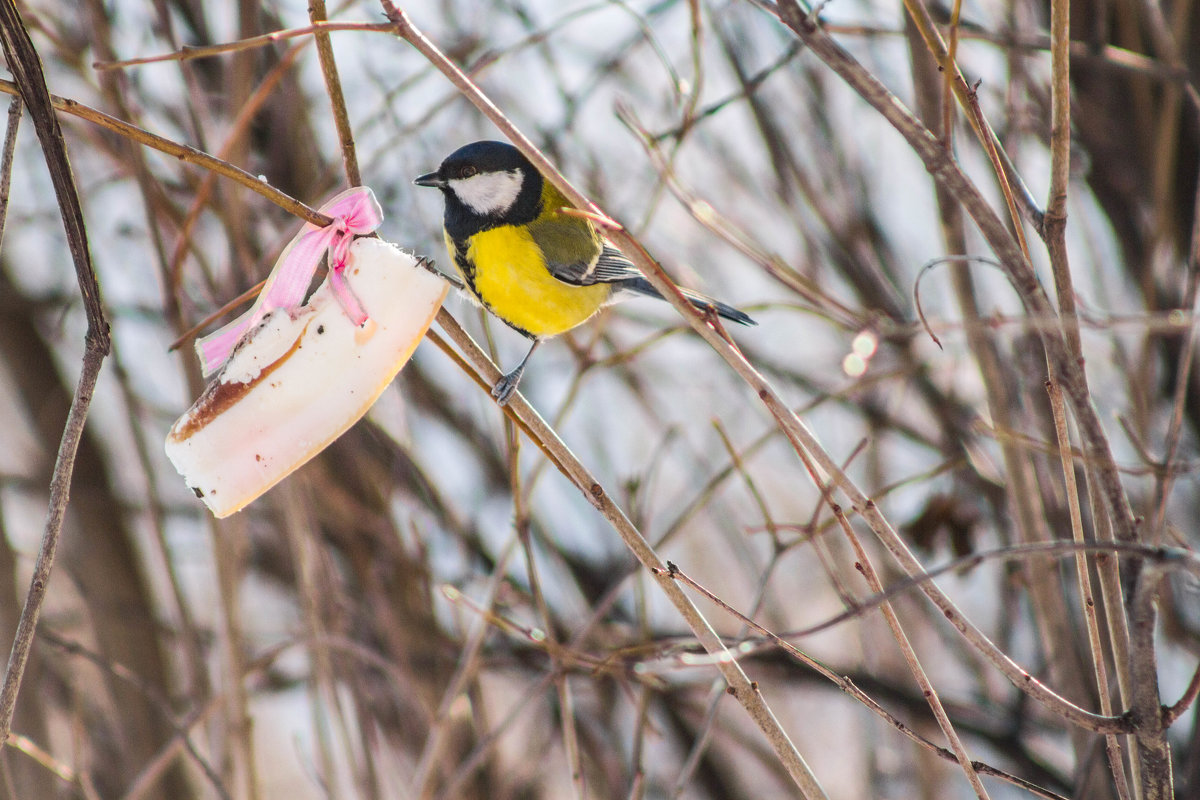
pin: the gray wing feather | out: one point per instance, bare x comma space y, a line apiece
609, 267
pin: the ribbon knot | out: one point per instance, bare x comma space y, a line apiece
354, 212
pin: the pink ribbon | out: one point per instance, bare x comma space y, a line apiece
355, 212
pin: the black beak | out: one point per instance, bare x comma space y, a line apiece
432, 180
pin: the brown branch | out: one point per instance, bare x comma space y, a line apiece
1168, 558
1185, 701
60, 487
24, 64
1149, 717
333, 85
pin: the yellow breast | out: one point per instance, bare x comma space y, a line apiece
512, 281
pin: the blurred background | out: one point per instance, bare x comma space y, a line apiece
429, 609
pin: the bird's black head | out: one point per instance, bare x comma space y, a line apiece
486, 184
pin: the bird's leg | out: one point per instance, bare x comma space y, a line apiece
507, 384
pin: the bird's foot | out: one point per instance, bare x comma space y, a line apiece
428, 265
507, 385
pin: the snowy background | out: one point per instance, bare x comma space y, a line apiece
370, 627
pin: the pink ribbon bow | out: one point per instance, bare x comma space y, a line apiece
355, 212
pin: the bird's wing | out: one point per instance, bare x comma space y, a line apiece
610, 266
576, 254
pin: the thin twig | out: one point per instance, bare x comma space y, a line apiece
321, 29
333, 86
1185, 701
1083, 581
959, 259
244, 297
10, 149
1168, 557
60, 488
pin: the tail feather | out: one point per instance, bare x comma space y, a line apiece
642, 286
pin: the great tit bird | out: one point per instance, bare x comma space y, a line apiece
538, 269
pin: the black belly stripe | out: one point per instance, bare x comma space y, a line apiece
464, 266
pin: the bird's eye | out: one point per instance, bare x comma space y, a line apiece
467, 172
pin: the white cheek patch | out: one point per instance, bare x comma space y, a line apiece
491, 193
